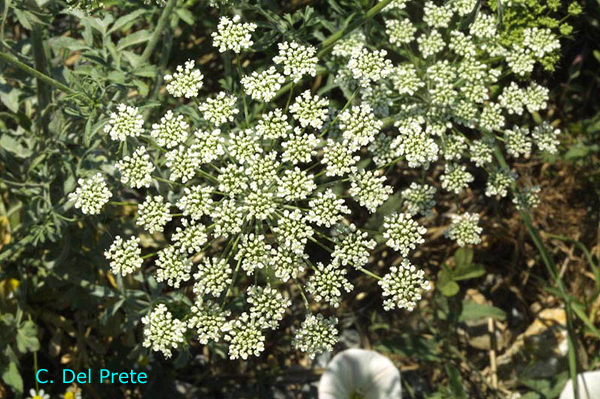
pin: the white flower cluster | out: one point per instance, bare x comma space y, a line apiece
125, 256
233, 35
317, 334
262, 192
297, 60
404, 285
126, 123
163, 332
186, 82
91, 195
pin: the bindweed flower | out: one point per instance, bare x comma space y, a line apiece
359, 373
91, 195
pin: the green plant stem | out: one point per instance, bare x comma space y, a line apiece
553, 271
116, 203
368, 273
586, 252
239, 69
342, 111
44, 93
41, 77
304, 299
289, 100
328, 43
160, 26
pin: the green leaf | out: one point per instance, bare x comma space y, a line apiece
12, 378
27, 338
580, 150
468, 271
11, 145
133, 39
185, 15
475, 311
579, 310
449, 289
463, 256
126, 19
455, 383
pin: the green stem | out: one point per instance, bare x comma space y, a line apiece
304, 299
41, 77
365, 271
160, 26
239, 69
327, 45
289, 100
149, 255
122, 203
553, 271
44, 94
342, 111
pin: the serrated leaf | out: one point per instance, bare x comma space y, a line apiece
475, 311
27, 337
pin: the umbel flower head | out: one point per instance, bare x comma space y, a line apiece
186, 82
127, 122
91, 195
297, 60
233, 35
274, 198
125, 256
163, 332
